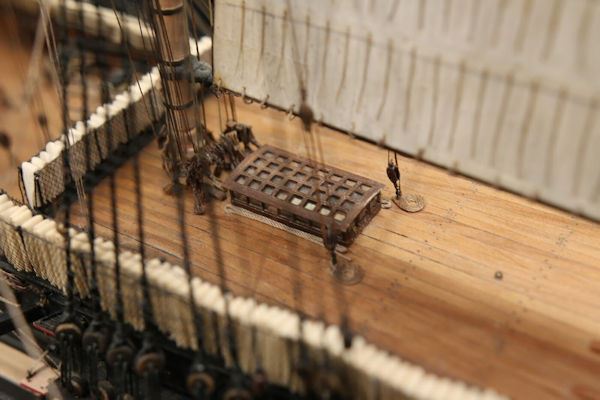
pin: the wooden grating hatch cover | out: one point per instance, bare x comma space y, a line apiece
304, 194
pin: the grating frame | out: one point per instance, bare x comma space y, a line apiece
304, 194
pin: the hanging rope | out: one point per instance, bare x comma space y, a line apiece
120, 351
321, 383
200, 381
236, 384
149, 360
68, 331
95, 337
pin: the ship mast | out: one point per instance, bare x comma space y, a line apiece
173, 49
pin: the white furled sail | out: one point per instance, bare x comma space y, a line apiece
505, 91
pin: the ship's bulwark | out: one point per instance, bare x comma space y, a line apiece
504, 93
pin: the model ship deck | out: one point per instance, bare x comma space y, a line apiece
482, 285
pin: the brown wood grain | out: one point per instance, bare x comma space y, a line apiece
18, 117
429, 294
19, 113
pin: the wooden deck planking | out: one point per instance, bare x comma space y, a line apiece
429, 294
18, 119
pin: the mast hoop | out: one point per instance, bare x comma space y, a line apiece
169, 11
162, 63
178, 107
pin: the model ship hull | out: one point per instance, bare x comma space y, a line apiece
483, 287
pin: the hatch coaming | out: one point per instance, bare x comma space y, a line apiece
304, 194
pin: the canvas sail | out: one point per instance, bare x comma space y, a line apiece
503, 91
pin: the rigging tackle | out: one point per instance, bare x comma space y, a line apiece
406, 202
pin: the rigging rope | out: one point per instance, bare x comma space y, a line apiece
314, 148
68, 332
120, 351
